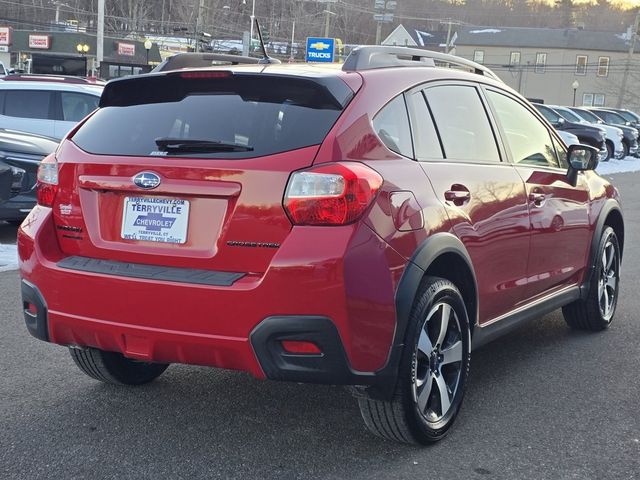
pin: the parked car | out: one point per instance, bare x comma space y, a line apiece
614, 138
45, 108
200, 60
20, 156
32, 77
568, 138
630, 140
359, 226
594, 136
631, 117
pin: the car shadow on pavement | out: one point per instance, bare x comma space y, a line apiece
225, 422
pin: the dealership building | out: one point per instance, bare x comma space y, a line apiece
74, 53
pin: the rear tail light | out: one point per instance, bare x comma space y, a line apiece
201, 75
331, 194
47, 185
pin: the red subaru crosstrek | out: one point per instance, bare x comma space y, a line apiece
363, 226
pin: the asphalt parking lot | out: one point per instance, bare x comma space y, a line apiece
543, 402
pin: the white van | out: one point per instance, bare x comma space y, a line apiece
45, 108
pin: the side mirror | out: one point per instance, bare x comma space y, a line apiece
581, 158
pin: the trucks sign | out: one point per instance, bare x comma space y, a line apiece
320, 49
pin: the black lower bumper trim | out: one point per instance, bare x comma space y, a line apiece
37, 322
331, 367
151, 272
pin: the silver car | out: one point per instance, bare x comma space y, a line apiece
45, 108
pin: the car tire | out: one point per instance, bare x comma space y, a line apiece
596, 311
114, 368
433, 373
610, 151
625, 149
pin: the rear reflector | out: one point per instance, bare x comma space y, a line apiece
334, 193
32, 309
301, 347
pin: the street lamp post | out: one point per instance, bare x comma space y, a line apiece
575, 86
83, 49
147, 46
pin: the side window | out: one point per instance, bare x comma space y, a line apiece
27, 104
392, 126
561, 152
528, 139
76, 106
552, 117
425, 137
462, 122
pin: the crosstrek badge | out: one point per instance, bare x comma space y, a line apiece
155, 219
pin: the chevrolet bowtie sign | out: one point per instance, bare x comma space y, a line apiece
320, 49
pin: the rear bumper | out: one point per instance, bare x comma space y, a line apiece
350, 288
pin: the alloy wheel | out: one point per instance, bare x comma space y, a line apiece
438, 362
608, 281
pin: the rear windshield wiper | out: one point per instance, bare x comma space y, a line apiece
177, 145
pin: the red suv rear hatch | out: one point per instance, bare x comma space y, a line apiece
189, 168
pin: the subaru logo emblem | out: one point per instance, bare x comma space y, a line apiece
146, 180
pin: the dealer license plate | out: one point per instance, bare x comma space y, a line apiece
155, 219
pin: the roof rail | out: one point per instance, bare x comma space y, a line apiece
200, 60
368, 57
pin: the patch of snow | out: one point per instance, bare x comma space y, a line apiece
8, 257
624, 165
486, 30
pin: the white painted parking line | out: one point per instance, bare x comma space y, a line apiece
8, 257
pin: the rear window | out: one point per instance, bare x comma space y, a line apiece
262, 115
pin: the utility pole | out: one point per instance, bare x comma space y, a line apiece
383, 14
632, 45
253, 21
446, 46
196, 35
327, 20
100, 38
293, 32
